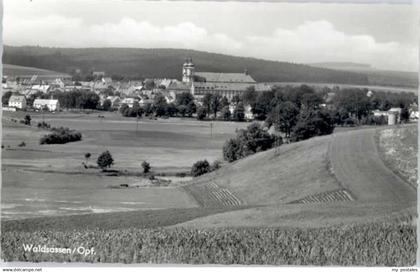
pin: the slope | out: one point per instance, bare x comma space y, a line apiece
275, 181
289, 173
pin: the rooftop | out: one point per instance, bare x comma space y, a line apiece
46, 101
230, 86
226, 77
16, 99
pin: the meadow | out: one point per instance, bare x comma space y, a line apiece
49, 180
284, 206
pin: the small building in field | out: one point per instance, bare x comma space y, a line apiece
414, 111
17, 101
394, 116
50, 104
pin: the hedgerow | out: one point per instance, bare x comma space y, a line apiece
61, 135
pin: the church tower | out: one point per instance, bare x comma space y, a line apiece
188, 71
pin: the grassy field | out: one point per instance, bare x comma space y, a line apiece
49, 180
399, 147
286, 206
369, 245
277, 176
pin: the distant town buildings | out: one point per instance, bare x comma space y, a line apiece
17, 101
224, 84
393, 115
143, 92
46, 104
98, 74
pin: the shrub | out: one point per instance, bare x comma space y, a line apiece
44, 125
231, 150
27, 120
200, 168
146, 167
87, 156
107, 105
105, 160
215, 165
201, 113
226, 113
61, 136
349, 122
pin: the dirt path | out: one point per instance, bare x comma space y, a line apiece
358, 167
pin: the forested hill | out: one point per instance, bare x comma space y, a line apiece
167, 63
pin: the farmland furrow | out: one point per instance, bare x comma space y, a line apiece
333, 196
212, 195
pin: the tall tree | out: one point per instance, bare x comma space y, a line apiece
284, 117
239, 112
160, 105
249, 97
224, 102
5, 98
216, 104
207, 102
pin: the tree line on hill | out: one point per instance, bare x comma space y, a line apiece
166, 63
300, 113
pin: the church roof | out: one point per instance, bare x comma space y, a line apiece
230, 86
226, 77
178, 86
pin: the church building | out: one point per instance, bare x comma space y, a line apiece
225, 84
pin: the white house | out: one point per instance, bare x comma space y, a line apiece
414, 111
393, 115
51, 104
248, 113
17, 101
129, 101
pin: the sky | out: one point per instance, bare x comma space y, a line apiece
385, 36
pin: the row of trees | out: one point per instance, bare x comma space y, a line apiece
185, 106
358, 105
77, 99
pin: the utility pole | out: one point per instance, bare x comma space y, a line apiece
211, 129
